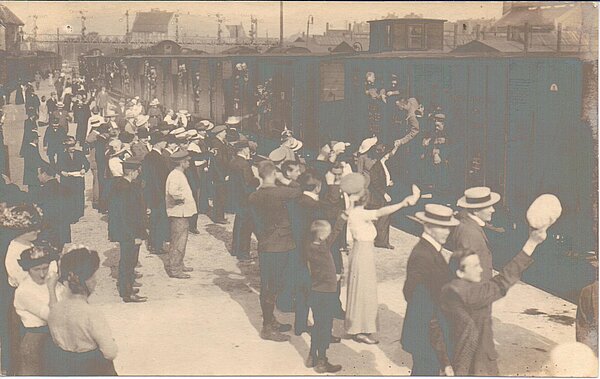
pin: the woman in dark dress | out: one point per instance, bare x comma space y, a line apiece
29, 130
73, 165
31, 162
19, 95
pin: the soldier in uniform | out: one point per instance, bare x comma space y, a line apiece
81, 116
126, 226
53, 140
243, 183
220, 175
275, 242
73, 165
62, 115
155, 169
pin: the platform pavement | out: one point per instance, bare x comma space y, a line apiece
209, 325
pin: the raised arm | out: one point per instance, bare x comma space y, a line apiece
408, 201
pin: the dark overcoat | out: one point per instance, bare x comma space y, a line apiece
126, 213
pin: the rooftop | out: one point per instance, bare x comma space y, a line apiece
152, 22
7, 17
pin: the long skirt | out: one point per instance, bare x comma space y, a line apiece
32, 351
76, 204
66, 363
361, 304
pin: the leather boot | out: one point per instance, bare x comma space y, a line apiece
323, 366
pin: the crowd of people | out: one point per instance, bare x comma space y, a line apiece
155, 170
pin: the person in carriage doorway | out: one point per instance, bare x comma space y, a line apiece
380, 187
409, 129
434, 157
220, 175
243, 184
73, 165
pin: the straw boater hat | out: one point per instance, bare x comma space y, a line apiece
478, 198
110, 113
177, 131
339, 147
117, 147
367, 144
141, 120
294, 144
438, 215
70, 141
206, 124
353, 183
233, 120
183, 112
60, 104
192, 135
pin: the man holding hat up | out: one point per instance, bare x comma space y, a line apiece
477, 210
220, 175
426, 273
180, 207
126, 216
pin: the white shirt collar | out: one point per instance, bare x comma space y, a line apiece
312, 195
432, 241
477, 220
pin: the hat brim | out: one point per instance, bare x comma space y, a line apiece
423, 218
494, 198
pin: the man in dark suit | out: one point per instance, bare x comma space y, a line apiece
51, 103
380, 185
52, 198
426, 274
220, 172
477, 210
155, 169
243, 183
467, 297
53, 140
142, 146
126, 226
81, 115
275, 242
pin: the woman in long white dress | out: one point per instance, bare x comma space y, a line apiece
362, 302
43, 113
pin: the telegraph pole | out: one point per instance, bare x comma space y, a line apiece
177, 27
83, 28
127, 22
281, 23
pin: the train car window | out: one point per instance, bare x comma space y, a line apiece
415, 36
399, 37
332, 81
227, 70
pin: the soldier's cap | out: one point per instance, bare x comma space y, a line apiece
60, 104
233, 120
239, 145
180, 155
143, 133
183, 112
278, 155
440, 116
437, 214
132, 163
218, 129
95, 123
55, 122
154, 102
70, 141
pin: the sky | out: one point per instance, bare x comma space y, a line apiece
107, 18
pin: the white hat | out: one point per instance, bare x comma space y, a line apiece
183, 112
340, 147
192, 134
177, 131
478, 198
367, 144
141, 120
544, 211
232, 120
438, 215
294, 144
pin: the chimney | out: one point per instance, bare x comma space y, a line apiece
349, 27
327, 27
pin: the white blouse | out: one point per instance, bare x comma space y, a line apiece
360, 224
32, 302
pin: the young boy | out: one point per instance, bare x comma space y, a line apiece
323, 298
465, 300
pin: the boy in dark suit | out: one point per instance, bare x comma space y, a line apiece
380, 185
323, 297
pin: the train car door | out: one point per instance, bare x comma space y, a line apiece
283, 93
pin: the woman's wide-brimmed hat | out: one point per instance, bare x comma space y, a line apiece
37, 255
367, 144
438, 215
24, 216
478, 198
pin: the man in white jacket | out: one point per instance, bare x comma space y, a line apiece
180, 207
